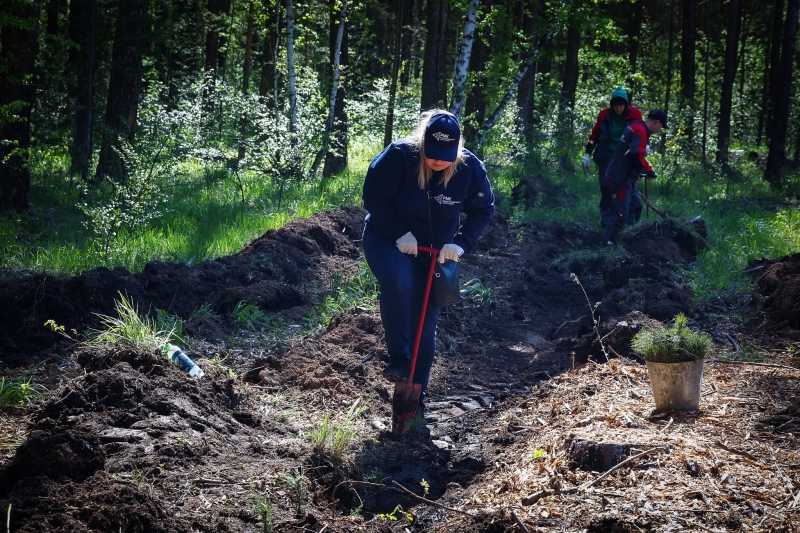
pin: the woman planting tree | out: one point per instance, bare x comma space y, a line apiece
429, 173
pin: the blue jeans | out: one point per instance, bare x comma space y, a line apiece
629, 207
402, 280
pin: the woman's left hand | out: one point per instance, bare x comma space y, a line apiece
450, 251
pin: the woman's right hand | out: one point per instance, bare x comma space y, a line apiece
407, 244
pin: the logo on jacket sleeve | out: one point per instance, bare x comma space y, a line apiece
445, 200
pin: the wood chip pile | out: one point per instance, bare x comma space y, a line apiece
734, 465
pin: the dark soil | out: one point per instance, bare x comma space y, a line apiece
136, 445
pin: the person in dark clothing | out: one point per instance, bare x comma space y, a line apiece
628, 164
429, 171
602, 143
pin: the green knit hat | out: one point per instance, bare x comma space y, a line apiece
619, 92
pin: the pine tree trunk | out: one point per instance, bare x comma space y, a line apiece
398, 41
336, 158
82, 32
436, 19
688, 67
774, 60
248, 47
764, 96
527, 86
634, 36
18, 50
461, 69
783, 92
568, 89
268, 83
670, 59
728, 78
53, 9
122, 105
217, 9
290, 65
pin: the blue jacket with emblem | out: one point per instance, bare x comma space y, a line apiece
397, 205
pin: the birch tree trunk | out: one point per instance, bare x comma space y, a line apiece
461, 67
510, 93
336, 159
290, 66
326, 136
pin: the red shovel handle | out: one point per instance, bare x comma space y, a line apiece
415, 350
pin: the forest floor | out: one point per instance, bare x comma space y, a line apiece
127, 442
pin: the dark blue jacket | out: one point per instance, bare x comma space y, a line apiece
628, 161
397, 205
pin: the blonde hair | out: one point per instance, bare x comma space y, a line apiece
417, 142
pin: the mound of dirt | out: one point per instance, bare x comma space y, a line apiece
98, 447
274, 272
780, 287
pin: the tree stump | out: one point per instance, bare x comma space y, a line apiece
596, 456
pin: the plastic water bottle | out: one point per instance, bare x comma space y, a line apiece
182, 361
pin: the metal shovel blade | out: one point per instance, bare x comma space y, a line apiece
404, 406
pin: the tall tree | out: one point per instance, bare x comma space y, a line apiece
336, 158
435, 44
215, 42
634, 35
461, 69
728, 77
527, 85
82, 32
670, 58
688, 67
783, 93
290, 65
326, 136
775, 62
19, 44
248, 48
122, 104
396, 60
569, 85
268, 83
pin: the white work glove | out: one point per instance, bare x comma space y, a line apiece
450, 251
407, 244
648, 151
585, 162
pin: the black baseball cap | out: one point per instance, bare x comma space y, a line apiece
657, 114
442, 137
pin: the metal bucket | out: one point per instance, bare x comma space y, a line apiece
676, 386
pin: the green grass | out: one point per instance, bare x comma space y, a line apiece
131, 329
337, 438
344, 293
19, 391
204, 219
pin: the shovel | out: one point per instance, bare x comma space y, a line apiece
407, 393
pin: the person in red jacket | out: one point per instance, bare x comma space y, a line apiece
628, 165
602, 142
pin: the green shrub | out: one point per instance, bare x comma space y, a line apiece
675, 344
19, 391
